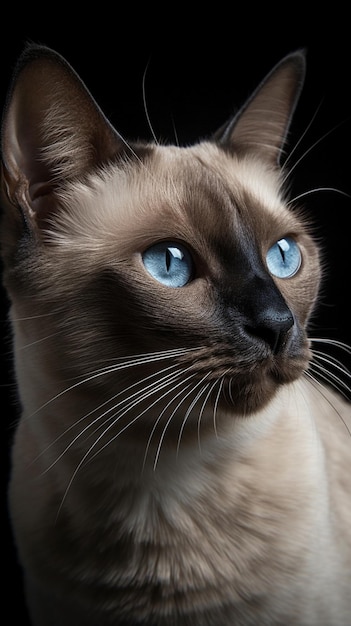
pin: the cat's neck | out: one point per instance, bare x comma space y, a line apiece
275, 445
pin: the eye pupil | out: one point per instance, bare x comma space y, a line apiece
284, 258
168, 259
282, 252
169, 263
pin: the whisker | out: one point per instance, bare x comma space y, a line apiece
149, 357
292, 152
145, 105
37, 341
216, 404
328, 367
137, 157
136, 360
160, 384
292, 168
156, 387
318, 386
88, 453
317, 189
333, 342
193, 403
175, 132
331, 360
158, 451
230, 391
162, 413
33, 317
330, 378
202, 411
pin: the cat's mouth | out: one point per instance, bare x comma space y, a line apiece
247, 383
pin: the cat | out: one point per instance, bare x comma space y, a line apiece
176, 461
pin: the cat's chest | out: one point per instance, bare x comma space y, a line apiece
209, 510
199, 526
199, 534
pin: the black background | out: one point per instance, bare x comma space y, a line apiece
197, 74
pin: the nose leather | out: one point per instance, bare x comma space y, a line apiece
263, 313
272, 325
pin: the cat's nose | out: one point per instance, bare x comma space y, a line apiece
267, 315
272, 325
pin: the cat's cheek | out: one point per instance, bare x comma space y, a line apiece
301, 292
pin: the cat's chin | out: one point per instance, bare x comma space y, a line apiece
252, 392
244, 386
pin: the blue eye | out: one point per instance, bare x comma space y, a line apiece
169, 263
284, 258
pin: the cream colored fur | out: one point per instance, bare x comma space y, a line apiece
169, 469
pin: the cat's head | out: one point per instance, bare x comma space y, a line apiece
127, 250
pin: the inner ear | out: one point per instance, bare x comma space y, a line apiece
262, 123
53, 130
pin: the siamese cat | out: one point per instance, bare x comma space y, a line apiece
176, 462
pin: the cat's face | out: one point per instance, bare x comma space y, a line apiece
189, 252
172, 251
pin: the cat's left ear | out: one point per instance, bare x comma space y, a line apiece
261, 125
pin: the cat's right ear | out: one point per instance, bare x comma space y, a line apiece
261, 125
52, 131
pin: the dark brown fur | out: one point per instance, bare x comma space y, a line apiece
173, 465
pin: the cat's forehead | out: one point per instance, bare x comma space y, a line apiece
184, 193
207, 166
183, 178
209, 188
